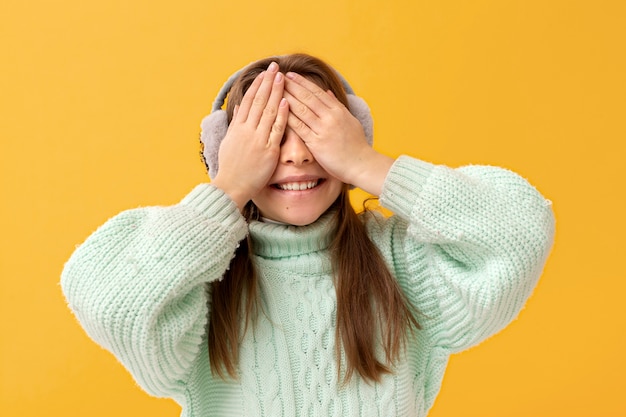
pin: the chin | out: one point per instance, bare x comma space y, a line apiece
299, 219
304, 222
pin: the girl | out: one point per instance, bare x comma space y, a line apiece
264, 294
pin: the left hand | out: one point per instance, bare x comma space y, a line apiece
333, 135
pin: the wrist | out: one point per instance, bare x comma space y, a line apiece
370, 171
239, 197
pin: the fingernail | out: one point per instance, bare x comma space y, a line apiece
279, 78
273, 67
290, 75
283, 102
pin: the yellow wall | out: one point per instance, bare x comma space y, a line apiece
100, 105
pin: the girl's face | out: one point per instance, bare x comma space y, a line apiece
300, 190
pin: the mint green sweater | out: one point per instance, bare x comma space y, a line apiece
466, 245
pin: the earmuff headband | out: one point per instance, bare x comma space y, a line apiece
218, 103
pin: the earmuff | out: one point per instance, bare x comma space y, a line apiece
215, 125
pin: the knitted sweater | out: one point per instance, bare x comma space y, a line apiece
466, 245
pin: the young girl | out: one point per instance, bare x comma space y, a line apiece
264, 294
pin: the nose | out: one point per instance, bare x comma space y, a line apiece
293, 150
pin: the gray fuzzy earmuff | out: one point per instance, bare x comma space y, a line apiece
215, 125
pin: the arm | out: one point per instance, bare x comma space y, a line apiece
137, 283
469, 243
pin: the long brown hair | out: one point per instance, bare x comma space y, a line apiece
371, 308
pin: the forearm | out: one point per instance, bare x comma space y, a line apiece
137, 283
486, 233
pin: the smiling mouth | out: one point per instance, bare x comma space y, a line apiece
298, 185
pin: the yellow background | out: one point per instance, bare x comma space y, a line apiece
100, 105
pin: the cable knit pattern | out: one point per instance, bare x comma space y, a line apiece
466, 246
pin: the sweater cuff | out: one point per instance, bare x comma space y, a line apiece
404, 184
214, 203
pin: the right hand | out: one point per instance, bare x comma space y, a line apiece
249, 152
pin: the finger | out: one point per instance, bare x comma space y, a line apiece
272, 106
308, 92
246, 101
262, 94
279, 125
235, 112
299, 127
303, 112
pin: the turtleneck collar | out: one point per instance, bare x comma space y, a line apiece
273, 241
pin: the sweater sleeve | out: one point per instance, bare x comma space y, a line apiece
472, 242
136, 284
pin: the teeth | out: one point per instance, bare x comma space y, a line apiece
297, 186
